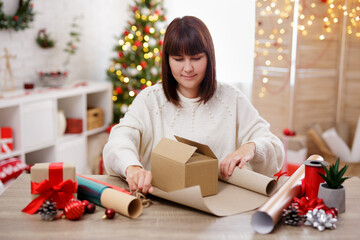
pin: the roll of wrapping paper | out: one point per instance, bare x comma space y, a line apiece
267, 216
312, 177
107, 197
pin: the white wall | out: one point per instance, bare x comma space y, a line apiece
231, 23
102, 21
232, 26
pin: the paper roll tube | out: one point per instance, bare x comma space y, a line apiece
107, 197
265, 219
122, 203
260, 184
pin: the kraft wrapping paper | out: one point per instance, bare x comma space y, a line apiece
233, 195
267, 216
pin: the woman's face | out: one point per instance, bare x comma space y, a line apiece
188, 71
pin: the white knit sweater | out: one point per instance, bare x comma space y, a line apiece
224, 123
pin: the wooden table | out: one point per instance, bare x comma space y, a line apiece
162, 220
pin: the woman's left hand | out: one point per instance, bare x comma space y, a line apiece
245, 153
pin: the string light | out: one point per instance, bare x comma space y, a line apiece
312, 13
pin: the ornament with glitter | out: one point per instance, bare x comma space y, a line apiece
320, 219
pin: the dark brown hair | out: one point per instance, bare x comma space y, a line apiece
188, 36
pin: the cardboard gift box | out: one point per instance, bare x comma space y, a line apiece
57, 180
6, 140
74, 125
177, 165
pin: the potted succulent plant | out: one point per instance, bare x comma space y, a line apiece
332, 191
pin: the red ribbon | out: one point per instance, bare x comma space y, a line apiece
304, 204
60, 193
279, 174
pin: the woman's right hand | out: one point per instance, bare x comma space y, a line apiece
139, 179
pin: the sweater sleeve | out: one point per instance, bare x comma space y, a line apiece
269, 155
122, 148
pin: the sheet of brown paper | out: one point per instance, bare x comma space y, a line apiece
231, 199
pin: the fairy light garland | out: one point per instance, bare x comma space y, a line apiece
270, 44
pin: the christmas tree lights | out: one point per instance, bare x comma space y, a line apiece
139, 50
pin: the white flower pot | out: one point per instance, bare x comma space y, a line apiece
333, 197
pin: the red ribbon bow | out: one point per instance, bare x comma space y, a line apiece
60, 193
303, 205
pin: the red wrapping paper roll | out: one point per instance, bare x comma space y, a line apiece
312, 177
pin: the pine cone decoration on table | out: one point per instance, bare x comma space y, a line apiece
48, 210
291, 216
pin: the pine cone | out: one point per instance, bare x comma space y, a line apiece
291, 216
48, 210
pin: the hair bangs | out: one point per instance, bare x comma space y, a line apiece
186, 43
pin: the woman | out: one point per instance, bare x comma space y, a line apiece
190, 103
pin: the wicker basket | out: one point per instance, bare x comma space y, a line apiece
95, 118
53, 80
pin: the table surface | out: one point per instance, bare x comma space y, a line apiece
162, 220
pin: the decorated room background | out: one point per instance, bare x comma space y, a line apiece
306, 70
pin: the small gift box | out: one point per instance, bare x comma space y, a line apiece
6, 139
74, 125
54, 181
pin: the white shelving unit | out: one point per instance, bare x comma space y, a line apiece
34, 122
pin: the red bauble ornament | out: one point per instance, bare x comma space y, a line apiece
161, 42
286, 132
124, 65
85, 202
109, 213
143, 64
134, 9
121, 54
74, 209
15, 18
143, 87
126, 33
146, 29
137, 43
119, 90
90, 208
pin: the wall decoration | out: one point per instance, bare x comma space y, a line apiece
43, 39
8, 70
71, 45
20, 21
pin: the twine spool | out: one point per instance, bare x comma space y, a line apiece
312, 178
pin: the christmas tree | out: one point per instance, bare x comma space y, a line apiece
137, 64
